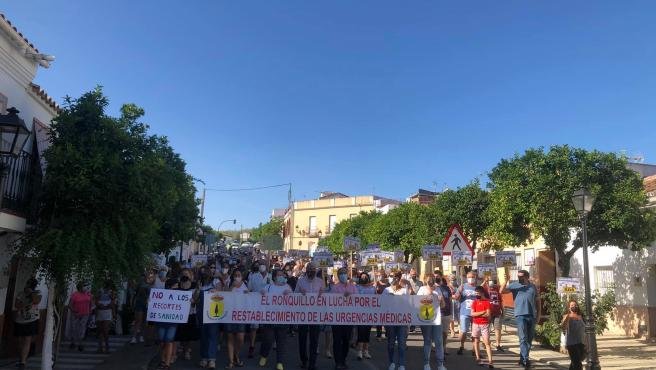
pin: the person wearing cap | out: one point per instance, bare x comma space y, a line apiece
342, 333
309, 283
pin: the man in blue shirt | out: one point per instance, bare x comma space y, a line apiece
527, 311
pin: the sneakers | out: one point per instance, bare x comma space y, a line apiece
141, 339
279, 366
263, 361
132, 341
360, 355
500, 349
460, 350
366, 355
427, 367
211, 364
392, 367
203, 363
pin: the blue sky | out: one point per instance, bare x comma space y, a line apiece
357, 96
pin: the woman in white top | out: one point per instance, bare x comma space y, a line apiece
236, 331
432, 333
275, 332
397, 333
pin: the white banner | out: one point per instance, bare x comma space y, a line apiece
166, 305
325, 309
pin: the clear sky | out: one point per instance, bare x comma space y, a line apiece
357, 96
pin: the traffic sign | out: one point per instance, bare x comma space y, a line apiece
456, 240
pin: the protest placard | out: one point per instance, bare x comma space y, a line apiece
166, 305
399, 256
198, 260
370, 258
566, 285
487, 269
324, 309
323, 259
461, 258
373, 248
431, 252
506, 259
351, 244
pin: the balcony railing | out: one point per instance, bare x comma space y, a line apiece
15, 185
314, 232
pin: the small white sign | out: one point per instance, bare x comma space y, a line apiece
323, 259
566, 285
487, 269
431, 252
506, 259
166, 305
198, 260
461, 258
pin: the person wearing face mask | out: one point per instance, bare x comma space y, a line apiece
397, 334
342, 333
380, 284
271, 332
492, 291
432, 334
527, 311
309, 284
257, 280
446, 311
481, 312
465, 295
189, 332
209, 333
364, 331
236, 330
574, 327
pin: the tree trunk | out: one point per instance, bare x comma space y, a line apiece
49, 332
565, 258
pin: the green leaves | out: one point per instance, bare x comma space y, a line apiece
111, 194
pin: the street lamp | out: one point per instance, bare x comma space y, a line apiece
583, 201
13, 136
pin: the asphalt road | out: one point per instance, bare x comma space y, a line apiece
378, 350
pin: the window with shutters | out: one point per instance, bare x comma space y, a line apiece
603, 278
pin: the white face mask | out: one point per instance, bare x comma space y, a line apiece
237, 279
262, 268
471, 280
225, 271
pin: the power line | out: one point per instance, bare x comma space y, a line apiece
249, 189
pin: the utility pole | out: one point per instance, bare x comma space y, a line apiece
202, 204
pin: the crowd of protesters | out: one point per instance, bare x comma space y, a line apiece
476, 308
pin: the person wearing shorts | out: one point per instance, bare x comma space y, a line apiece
166, 334
492, 290
481, 312
26, 319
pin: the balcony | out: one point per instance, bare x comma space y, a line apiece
313, 232
15, 186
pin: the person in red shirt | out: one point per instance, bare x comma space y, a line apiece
80, 308
481, 313
492, 290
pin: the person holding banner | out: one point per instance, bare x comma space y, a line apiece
257, 280
527, 311
397, 333
466, 295
189, 331
235, 331
381, 284
209, 332
342, 333
166, 334
432, 333
309, 284
275, 331
364, 331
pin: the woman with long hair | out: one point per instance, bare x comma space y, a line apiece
236, 331
574, 327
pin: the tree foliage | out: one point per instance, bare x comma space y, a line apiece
112, 194
531, 197
354, 226
272, 227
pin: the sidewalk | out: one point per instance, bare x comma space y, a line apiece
615, 352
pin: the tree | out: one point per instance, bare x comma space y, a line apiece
531, 197
466, 206
272, 227
354, 226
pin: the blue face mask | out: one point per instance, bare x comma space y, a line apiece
343, 278
281, 280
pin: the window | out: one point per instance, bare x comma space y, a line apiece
313, 224
603, 278
332, 221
